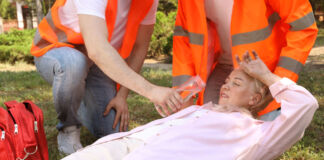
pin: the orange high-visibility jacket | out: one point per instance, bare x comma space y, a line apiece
282, 32
51, 33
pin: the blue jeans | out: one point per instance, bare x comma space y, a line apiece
81, 91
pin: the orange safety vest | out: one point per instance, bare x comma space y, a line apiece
281, 32
52, 34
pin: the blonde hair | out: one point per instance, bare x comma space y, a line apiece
260, 88
263, 90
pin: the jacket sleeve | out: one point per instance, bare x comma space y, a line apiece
297, 110
183, 65
300, 38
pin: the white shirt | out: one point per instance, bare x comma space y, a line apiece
220, 12
68, 15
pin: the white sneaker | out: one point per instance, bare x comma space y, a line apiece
68, 140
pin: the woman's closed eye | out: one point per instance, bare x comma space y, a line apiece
236, 84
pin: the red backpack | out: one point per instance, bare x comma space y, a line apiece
22, 135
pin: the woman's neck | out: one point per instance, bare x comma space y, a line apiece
230, 108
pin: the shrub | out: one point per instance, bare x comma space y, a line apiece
161, 42
7, 10
15, 46
167, 6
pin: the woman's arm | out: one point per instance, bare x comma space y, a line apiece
297, 110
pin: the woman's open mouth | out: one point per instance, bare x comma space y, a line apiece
223, 95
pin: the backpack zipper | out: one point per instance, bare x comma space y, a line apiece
3, 135
29, 108
15, 124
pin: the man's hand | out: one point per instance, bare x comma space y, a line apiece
122, 114
167, 100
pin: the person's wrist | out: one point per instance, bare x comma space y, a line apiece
122, 93
149, 91
270, 79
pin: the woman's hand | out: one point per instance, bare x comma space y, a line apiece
256, 68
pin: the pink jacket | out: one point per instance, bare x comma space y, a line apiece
228, 136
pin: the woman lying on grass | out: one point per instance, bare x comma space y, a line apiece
226, 131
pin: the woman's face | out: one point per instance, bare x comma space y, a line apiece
237, 90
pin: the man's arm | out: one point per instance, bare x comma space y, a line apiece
95, 35
300, 38
139, 52
135, 61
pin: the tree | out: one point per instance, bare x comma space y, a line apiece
7, 10
39, 10
40, 7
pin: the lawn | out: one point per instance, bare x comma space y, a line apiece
20, 85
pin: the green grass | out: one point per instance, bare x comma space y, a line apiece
21, 85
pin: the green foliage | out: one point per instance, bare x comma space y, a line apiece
161, 42
15, 46
7, 10
167, 6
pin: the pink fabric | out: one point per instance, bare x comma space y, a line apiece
218, 135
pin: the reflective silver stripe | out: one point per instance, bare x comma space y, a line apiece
194, 38
179, 31
178, 80
290, 64
258, 35
302, 23
59, 33
37, 37
39, 42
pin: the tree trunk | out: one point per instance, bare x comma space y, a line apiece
1, 25
39, 11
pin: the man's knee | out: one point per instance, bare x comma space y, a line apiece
63, 61
72, 63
